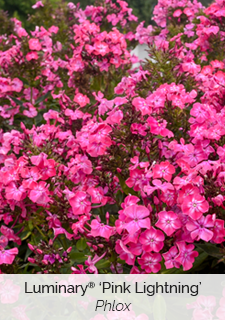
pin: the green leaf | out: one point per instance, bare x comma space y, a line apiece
102, 264
119, 197
78, 257
81, 244
17, 101
28, 253
159, 308
39, 119
45, 96
26, 236
199, 260
24, 80
210, 249
30, 225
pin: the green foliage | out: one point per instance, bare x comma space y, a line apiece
18, 9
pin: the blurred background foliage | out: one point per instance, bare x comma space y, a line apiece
22, 9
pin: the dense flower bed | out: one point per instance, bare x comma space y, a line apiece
105, 168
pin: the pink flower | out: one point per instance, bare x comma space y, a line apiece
79, 203
15, 193
129, 201
135, 218
53, 29
141, 105
163, 170
138, 129
78, 271
39, 193
16, 85
105, 105
9, 292
10, 235
97, 195
38, 5
218, 231
168, 222
8, 256
81, 99
61, 230
194, 206
134, 178
199, 227
91, 263
152, 240
32, 56
177, 13
159, 127
170, 258
100, 229
124, 252
3, 242
150, 262
101, 48
114, 117
186, 256
34, 44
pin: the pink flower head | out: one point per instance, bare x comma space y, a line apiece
16, 85
38, 5
159, 127
163, 170
81, 99
78, 271
91, 263
34, 44
129, 201
101, 48
194, 206
152, 240
186, 256
100, 229
79, 203
61, 230
150, 262
71, 5
141, 105
168, 222
177, 13
10, 235
53, 29
14, 192
8, 256
124, 252
97, 195
170, 258
114, 117
135, 218
32, 56
3, 242
218, 231
39, 193
199, 228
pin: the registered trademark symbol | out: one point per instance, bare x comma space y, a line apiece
91, 285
